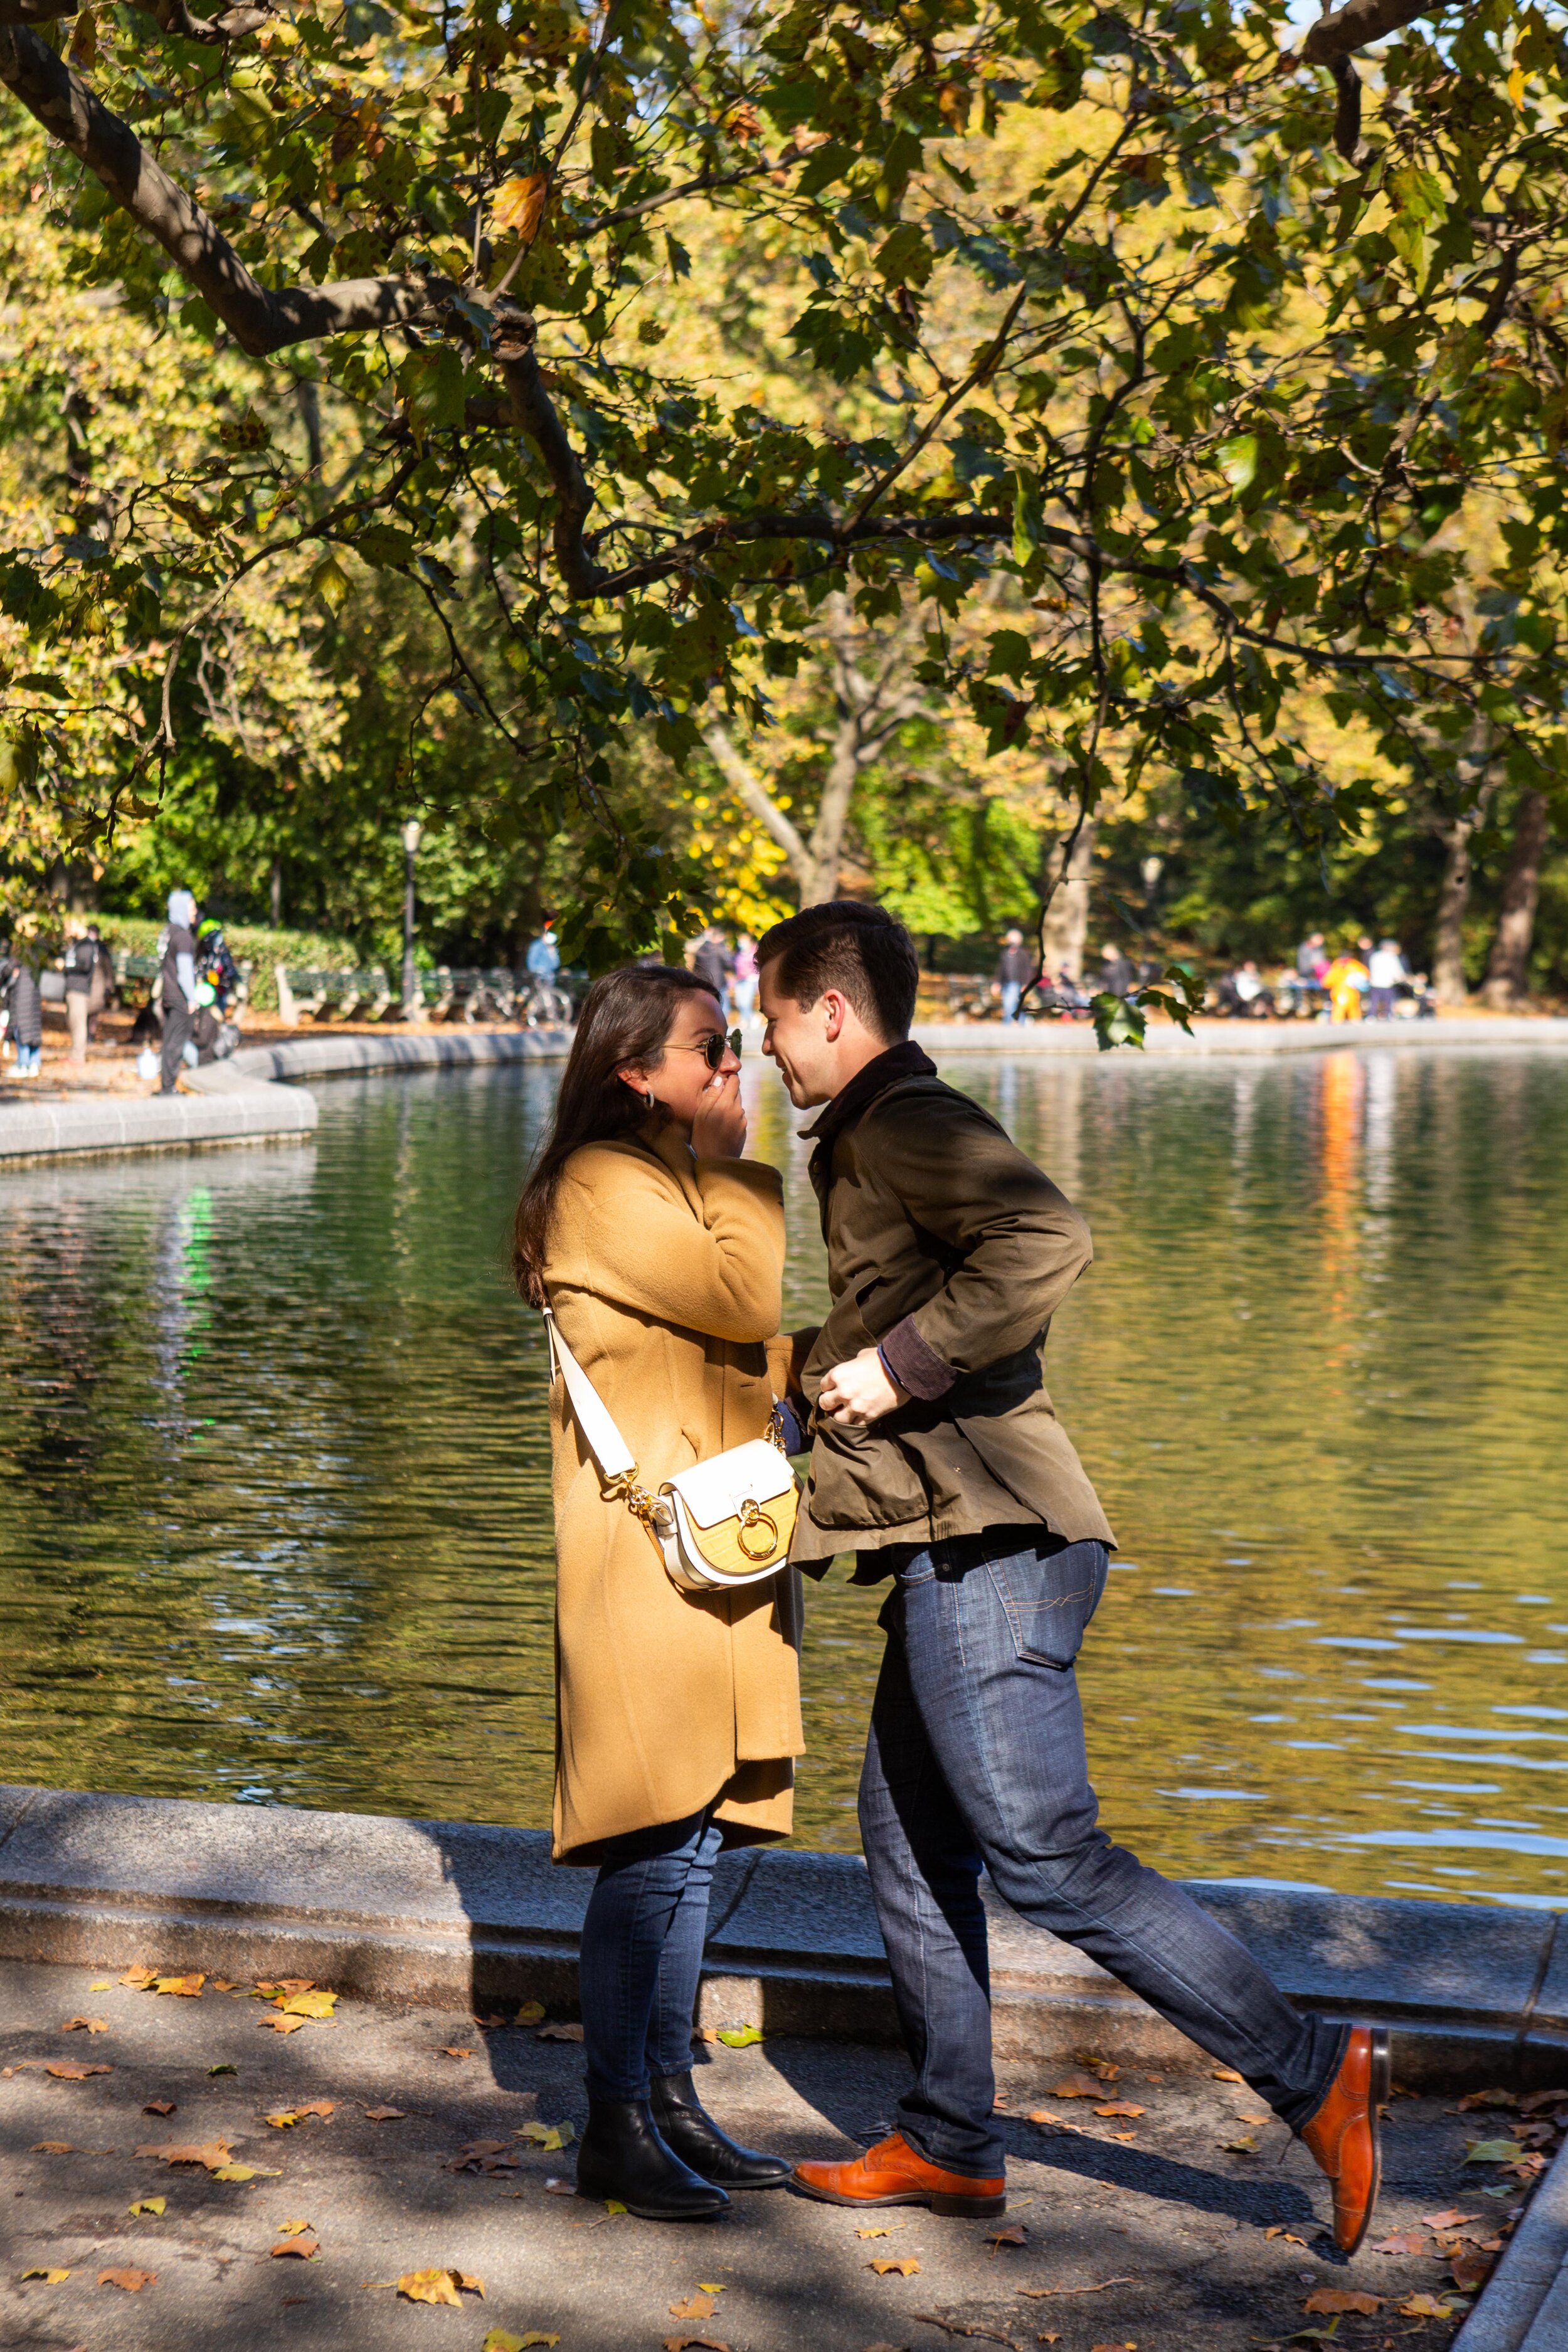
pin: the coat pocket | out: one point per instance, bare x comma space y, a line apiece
1049, 1599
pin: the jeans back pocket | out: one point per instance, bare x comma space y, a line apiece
1049, 1599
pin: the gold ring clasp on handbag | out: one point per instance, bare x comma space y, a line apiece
751, 1517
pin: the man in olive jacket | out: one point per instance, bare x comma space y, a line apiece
937, 1457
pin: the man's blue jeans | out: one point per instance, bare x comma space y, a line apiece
977, 1757
1012, 994
642, 1954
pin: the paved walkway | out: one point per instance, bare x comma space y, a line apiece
1185, 2224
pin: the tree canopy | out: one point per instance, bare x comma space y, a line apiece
1161, 374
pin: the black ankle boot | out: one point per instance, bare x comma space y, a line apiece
625, 2156
685, 2124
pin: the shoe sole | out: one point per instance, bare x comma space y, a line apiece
1377, 2097
977, 2209
649, 2212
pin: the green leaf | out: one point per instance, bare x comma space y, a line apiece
330, 581
1493, 2151
739, 2037
1237, 460
1117, 1021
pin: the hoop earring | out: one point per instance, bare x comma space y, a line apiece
647, 1098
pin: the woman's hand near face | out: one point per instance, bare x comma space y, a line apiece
718, 1123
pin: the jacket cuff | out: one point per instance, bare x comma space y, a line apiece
914, 1364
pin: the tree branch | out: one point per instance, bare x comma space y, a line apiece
35, 12
514, 344
1358, 23
261, 321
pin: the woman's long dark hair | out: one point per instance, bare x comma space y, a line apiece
626, 1018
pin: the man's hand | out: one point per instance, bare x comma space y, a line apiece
860, 1390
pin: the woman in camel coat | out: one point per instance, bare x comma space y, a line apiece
660, 1251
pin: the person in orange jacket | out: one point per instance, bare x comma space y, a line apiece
1346, 980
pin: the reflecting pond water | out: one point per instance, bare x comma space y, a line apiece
274, 1501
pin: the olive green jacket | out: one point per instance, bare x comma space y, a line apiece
950, 1251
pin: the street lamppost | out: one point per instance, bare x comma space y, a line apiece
413, 1002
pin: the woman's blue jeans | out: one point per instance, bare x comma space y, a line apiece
642, 1954
976, 1759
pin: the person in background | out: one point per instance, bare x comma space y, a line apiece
1014, 972
100, 987
1118, 976
81, 961
1311, 961
711, 961
1386, 971
1345, 980
178, 993
215, 964
543, 957
20, 984
744, 978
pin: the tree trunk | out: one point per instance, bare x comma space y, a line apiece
1448, 984
1067, 920
1507, 982
276, 892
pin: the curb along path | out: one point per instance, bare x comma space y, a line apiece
453, 1912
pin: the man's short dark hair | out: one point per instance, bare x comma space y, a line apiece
860, 950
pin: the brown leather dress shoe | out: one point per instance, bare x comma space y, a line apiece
1343, 2135
893, 2173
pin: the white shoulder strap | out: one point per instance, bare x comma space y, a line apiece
603, 1440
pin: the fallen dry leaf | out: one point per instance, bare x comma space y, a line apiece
282, 2119
694, 2306
210, 2152
1533, 2104
1227, 2074
547, 2136
1448, 2220
905, 2266
1469, 2269
305, 2248
156, 2205
65, 2070
1126, 2107
101, 1984
84, 2025
686, 2343
1017, 2236
50, 2278
246, 2172
879, 2230
1474, 2099
1403, 2242
554, 2187
159, 2107
1128, 2347
292, 2229
1076, 2087
1425, 2306
309, 2002
138, 1977
531, 2013
1341, 2298
733, 2037
566, 2034
131, 2280
283, 2024
498, 2340
1278, 2230
385, 2114
1245, 2145
447, 2286
456, 2053
1493, 2151
188, 1988
1044, 2116
52, 2148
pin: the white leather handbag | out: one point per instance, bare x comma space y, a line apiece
723, 1523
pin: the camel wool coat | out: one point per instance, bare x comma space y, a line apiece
664, 1272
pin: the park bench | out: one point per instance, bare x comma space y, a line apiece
367, 993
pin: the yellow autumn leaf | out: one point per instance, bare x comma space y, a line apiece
447, 2286
739, 2037
1516, 86
292, 2229
52, 2278
309, 2004
148, 2205
101, 1984
531, 2013
520, 206
189, 1988
905, 2266
246, 2172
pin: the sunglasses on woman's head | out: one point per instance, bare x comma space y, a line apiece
714, 1048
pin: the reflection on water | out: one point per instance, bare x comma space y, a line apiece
274, 1515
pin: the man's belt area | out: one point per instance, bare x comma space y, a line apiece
995, 1389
